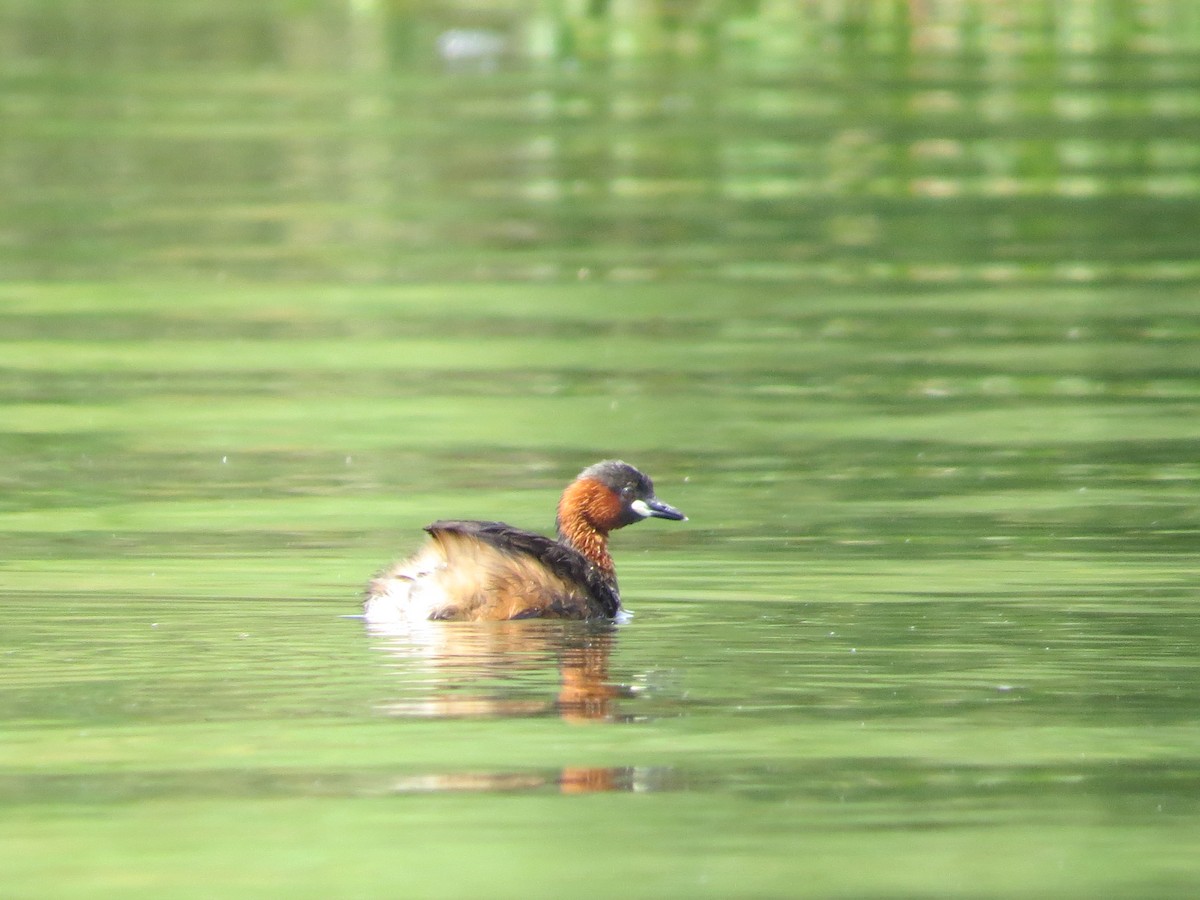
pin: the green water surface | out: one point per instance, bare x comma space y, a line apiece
900, 308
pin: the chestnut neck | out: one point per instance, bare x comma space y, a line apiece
586, 514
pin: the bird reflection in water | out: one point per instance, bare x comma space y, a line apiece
502, 669
510, 670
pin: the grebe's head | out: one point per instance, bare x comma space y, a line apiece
613, 494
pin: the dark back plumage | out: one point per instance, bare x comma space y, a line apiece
563, 561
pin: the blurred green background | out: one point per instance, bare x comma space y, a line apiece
897, 300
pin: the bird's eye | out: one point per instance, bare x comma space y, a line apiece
627, 492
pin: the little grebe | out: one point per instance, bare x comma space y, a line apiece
488, 570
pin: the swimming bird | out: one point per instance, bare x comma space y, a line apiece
474, 571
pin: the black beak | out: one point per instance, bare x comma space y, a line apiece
661, 510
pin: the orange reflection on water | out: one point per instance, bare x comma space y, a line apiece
507, 669
492, 668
